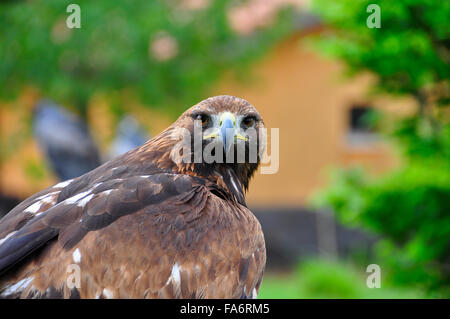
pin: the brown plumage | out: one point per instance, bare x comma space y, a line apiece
143, 226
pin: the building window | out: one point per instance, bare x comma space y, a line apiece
359, 132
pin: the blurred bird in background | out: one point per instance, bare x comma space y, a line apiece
68, 146
129, 135
65, 140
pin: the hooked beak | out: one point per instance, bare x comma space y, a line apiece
227, 131
227, 127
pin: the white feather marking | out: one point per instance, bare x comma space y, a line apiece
20, 285
176, 272
236, 188
108, 294
85, 200
107, 192
7, 236
255, 294
48, 200
33, 209
63, 184
76, 256
75, 198
175, 275
47, 195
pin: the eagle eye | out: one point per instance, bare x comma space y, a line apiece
249, 121
203, 118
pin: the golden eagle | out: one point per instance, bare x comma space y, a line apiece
147, 224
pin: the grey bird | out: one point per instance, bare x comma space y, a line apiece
129, 135
65, 141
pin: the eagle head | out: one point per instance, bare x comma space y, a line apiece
220, 138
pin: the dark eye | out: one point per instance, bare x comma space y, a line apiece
249, 121
203, 118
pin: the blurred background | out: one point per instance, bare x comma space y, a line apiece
364, 172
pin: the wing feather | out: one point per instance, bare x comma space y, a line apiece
141, 226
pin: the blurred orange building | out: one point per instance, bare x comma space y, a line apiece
295, 90
307, 97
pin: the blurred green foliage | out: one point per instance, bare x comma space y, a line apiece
410, 209
324, 279
409, 206
409, 53
117, 48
